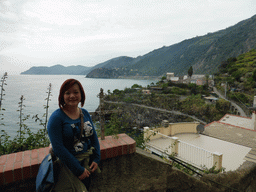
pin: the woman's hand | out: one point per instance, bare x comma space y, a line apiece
84, 175
87, 173
93, 166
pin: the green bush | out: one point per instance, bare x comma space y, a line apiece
223, 106
241, 97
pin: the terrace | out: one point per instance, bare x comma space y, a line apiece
204, 150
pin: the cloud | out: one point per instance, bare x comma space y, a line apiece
9, 11
47, 32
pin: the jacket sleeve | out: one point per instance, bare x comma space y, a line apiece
94, 140
54, 129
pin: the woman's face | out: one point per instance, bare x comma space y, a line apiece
72, 97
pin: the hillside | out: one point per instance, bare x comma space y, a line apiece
57, 70
203, 53
105, 73
118, 62
239, 72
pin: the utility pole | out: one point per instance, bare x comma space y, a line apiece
102, 117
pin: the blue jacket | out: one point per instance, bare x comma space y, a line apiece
62, 130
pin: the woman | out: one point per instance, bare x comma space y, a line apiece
64, 132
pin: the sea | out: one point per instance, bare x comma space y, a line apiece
34, 89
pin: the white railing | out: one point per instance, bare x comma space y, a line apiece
195, 155
165, 145
157, 150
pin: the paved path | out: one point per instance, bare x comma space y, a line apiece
239, 109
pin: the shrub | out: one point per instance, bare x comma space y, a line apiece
223, 106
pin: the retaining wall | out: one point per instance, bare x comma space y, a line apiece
126, 168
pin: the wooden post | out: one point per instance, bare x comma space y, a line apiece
102, 117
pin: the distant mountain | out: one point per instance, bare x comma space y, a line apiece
203, 53
57, 70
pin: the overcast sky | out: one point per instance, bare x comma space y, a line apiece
88, 32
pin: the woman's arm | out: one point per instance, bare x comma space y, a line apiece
94, 139
55, 127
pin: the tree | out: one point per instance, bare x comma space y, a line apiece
190, 71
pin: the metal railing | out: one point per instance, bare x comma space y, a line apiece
195, 155
187, 152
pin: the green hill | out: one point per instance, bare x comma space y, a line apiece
57, 70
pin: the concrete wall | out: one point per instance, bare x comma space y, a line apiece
176, 128
172, 129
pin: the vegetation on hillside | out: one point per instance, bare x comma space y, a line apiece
239, 74
172, 97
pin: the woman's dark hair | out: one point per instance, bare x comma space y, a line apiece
67, 85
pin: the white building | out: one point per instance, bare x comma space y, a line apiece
169, 76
